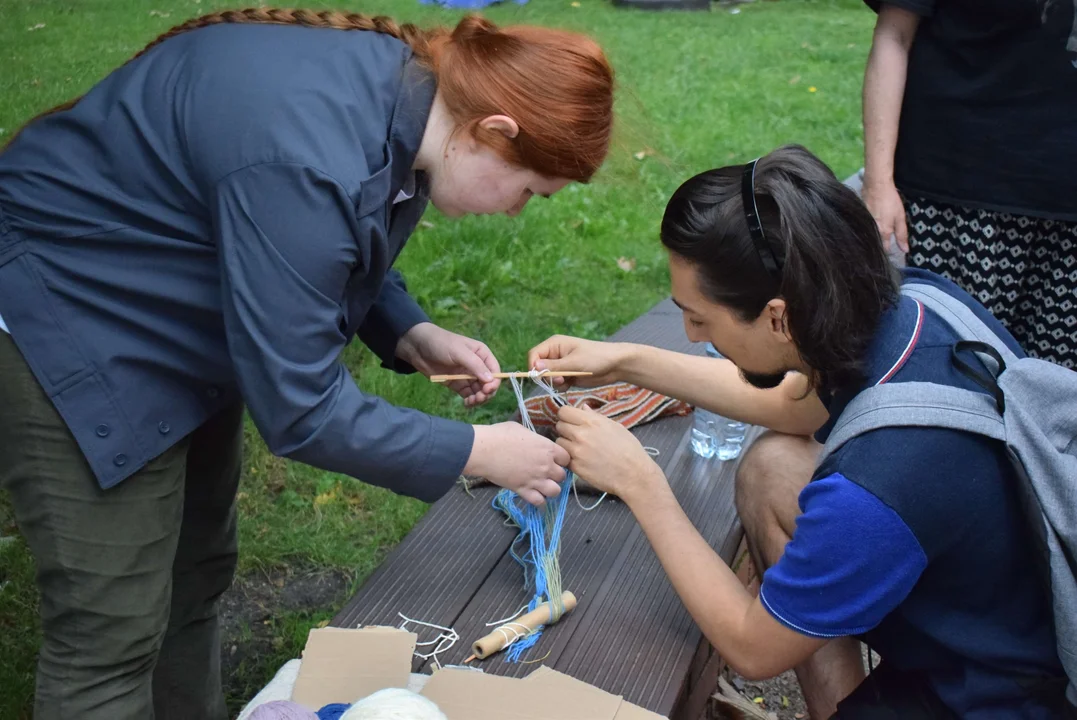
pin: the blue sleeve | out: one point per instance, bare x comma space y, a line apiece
288, 247
851, 561
389, 318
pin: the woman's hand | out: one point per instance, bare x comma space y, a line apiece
435, 351
510, 455
885, 205
605, 453
603, 359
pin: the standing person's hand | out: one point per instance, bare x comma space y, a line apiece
884, 202
576, 354
510, 455
435, 351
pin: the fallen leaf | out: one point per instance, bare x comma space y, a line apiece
811, 89
799, 716
427, 224
644, 153
626, 264
851, 45
575, 4
35, 82
158, 13
36, 27
794, 80
758, 701
325, 498
325, 623
785, 701
241, 496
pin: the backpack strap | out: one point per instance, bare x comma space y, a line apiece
915, 404
959, 316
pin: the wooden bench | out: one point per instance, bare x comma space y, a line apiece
630, 634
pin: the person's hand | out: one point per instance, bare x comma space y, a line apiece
570, 353
605, 453
884, 202
510, 455
435, 351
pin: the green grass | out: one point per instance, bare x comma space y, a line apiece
696, 90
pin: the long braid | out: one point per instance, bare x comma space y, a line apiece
418, 39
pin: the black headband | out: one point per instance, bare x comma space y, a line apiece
755, 227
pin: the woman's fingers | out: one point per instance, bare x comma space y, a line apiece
548, 488
533, 497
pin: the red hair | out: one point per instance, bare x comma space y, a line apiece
556, 85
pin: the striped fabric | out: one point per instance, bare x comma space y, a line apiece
627, 404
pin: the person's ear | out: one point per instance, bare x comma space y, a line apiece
776, 309
501, 124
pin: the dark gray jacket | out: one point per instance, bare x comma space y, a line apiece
215, 220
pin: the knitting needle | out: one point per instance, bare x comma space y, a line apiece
548, 373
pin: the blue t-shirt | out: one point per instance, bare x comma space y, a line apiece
915, 540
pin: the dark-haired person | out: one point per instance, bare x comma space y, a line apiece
911, 539
207, 229
970, 145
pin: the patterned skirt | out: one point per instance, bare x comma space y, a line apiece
1023, 269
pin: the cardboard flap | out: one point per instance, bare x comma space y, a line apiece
629, 711
554, 682
342, 665
464, 695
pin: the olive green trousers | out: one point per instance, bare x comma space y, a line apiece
129, 577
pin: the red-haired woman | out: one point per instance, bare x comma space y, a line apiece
208, 227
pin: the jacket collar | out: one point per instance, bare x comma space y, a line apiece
408, 123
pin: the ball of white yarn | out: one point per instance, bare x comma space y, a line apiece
394, 704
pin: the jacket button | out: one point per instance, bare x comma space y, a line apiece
102, 430
120, 460
164, 428
213, 393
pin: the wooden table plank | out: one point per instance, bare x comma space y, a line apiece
590, 542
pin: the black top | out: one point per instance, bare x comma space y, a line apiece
989, 118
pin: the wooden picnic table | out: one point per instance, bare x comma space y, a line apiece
630, 634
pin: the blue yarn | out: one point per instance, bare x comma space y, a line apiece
333, 712
535, 524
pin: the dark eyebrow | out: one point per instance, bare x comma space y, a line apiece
682, 307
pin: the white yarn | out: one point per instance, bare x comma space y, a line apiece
394, 704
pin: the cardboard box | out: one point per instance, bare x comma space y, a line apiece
342, 665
